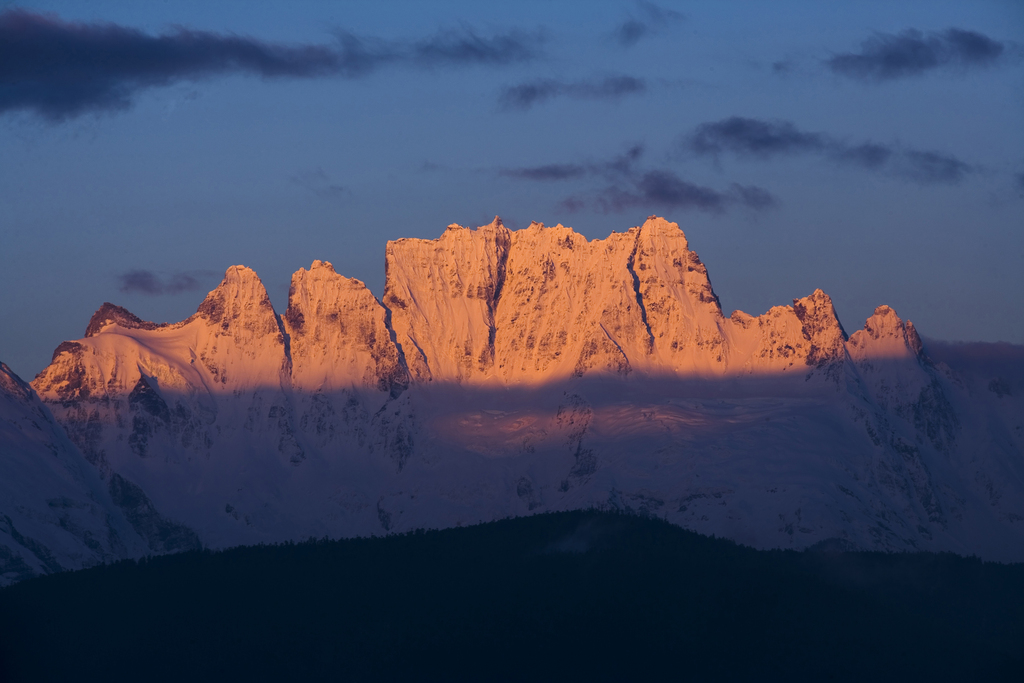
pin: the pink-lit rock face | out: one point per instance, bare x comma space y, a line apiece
442, 295
479, 306
568, 307
338, 334
509, 372
544, 304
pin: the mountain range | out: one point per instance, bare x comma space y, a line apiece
504, 373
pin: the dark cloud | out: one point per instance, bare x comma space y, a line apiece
547, 172
886, 57
148, 282
618, 165
525, 95
766, 139
648, 19
752, 137
60, 69
665, 189
630, 186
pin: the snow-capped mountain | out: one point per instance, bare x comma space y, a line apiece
509, 372
55, 513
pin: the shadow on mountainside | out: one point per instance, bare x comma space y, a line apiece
672, 445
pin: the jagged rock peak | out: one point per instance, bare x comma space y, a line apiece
108, 314
321, 292
321, 265
886, 323
496, 223
240, 298
339, 335
661, 226
886, 330
821, 327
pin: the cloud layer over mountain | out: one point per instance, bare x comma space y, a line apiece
60, 69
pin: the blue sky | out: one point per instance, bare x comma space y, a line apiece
874, 150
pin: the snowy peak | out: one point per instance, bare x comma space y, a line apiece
109, 314
240, 305
821, 327
885, 335
442, 294
658, 227
233, 341
568, 307
474, 305
338, 334
544, 303
681, 307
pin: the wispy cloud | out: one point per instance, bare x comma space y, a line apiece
647, 20
626, 185
60, 69
752, 196
547, 172
931, 167
362, 55
319, 183
756, 138
662, 188
148, 282
621, 164
526, 95
753, 137
885, 56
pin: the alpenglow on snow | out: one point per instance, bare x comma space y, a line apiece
513, 372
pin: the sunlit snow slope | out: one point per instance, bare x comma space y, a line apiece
509, 372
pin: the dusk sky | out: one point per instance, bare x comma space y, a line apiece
874, 150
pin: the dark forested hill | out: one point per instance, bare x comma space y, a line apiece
566, 596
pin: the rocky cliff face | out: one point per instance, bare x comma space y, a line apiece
339, 336
442, 295
568, 307
508, 372
544, 304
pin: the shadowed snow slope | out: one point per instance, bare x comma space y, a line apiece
55, 514
510, 372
